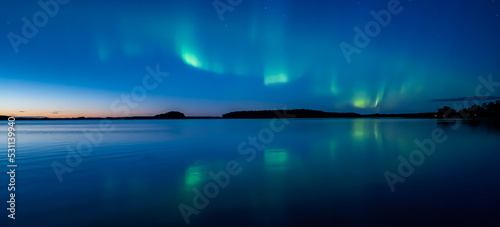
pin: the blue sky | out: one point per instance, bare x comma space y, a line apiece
262, 55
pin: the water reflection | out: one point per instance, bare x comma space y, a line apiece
314, 173
195, 174
276, 159
333, 147
366, 132
358, 129
362, 130
454, 124
109, 186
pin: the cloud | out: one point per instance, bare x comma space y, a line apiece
56, 112
479, 98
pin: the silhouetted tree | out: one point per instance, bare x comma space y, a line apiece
446, 112
485, 110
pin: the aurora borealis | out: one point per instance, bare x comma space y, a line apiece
262, 55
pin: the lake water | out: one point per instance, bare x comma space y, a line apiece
311, 172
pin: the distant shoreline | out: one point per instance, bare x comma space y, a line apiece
259, 115
486, 111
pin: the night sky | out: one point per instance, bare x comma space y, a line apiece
255, 55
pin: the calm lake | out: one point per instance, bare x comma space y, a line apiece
297, 172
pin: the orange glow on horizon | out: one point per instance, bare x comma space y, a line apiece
66, 114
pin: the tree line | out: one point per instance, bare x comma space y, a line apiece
486, 110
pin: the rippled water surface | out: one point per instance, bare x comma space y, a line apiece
301, 172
